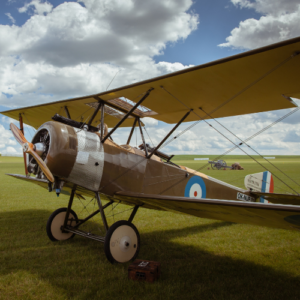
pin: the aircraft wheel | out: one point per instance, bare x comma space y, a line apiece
122, 242
56, 221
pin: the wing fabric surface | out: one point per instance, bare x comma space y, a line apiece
254, 213
254, 81
279, 198
271, 215
67, 188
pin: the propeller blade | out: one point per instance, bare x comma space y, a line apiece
18, 134
29, 148
41, 163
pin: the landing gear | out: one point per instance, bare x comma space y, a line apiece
122, 242
56, 222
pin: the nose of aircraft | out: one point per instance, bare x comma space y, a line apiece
36, 150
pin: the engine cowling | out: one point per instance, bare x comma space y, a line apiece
70, 153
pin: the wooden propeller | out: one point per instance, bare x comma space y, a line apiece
29, 148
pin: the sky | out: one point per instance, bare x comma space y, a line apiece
54, 50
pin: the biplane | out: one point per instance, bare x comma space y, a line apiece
72, 151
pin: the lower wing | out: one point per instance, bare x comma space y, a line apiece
279, 198
255, 213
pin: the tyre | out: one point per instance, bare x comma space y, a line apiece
122, 242
56, 221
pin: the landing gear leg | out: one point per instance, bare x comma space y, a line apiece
61, 218
122, 241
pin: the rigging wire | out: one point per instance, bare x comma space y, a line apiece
181, 133
112, 79
221, 105
135, 129
236, 146
148, 135
243, 142
260, 131
82, 114
234, 96
120, 212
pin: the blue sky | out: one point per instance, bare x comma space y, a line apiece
53, 50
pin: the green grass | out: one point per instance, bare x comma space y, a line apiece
201, 258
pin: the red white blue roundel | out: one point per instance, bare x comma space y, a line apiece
195, 188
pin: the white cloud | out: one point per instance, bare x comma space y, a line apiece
10, 17
280, 21
11, 149
76, 50
73, 49
274, 7
119, 32
150, 122
37, 6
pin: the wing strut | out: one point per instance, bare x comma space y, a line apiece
24, 154
100, 104
126, 115
166, 137
67, 112
142, 135
131, 132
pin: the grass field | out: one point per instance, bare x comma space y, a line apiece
201, 258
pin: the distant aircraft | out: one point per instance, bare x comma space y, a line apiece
75, 154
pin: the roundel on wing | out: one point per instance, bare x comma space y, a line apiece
195, 188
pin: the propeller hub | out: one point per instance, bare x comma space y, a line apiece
25, 147
39, 148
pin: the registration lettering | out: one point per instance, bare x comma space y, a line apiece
241, 196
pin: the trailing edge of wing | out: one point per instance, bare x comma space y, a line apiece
279, 198
260, 80
271, 215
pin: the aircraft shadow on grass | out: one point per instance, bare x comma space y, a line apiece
186, 269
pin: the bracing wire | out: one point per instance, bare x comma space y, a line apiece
112, 79
244, 142
148, 135
236, 146
221, 105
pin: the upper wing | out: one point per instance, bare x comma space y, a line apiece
254, 81
255, 213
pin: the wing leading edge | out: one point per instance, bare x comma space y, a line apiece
254, 213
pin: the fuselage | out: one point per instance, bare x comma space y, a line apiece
79, 157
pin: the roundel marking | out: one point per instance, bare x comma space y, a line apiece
195, 188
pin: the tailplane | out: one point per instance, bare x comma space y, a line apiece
260, 182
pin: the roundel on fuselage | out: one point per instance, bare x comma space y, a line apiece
195, 188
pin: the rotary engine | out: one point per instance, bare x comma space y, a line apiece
41, 142
70, 154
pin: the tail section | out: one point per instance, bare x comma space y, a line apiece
260, 182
